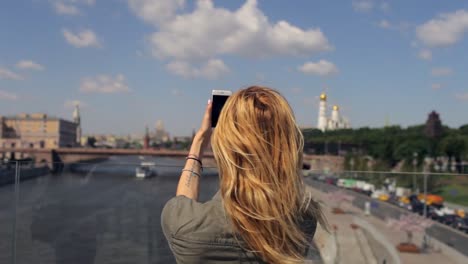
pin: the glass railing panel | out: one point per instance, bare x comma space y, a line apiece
389, 195
99, 212
8, 190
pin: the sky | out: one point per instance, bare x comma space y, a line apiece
130, 63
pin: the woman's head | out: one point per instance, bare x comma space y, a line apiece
257, 130
258, 148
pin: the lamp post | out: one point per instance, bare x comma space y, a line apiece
415, 164
427, 166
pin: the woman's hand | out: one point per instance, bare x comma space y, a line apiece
203, 135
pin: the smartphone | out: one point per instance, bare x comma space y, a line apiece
219, 98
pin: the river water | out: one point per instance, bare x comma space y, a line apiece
92, 213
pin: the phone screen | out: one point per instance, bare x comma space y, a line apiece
217, 106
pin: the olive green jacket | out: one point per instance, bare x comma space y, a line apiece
201, 233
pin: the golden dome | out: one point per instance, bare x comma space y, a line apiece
336, 108
323, 97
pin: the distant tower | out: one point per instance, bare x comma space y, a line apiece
433, 127
146, 139
77, 120
322, 117
335, 117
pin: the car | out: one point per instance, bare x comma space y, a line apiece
331, 180
448, 219
461, 224
415, 205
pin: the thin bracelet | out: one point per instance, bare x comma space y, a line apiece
193, 172
193, 155
199, 161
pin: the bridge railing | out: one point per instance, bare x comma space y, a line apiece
96, 212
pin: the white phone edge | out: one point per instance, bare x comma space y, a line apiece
221, 92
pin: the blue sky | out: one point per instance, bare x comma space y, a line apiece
132, 62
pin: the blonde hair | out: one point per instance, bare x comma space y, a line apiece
258, 148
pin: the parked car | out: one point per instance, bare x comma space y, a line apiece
461, 224
415, 205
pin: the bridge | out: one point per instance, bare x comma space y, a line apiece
55, 158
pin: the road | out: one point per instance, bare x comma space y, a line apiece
383, 210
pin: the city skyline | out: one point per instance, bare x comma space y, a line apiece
132, 62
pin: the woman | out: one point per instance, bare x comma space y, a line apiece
262, 211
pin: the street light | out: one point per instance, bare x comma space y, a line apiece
426, 169
415, 164
351, 163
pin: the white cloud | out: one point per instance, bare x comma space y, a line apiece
401, 26
29, 65
462, 96
385, 6
69, 7
104, 84
445, 30
209, 31
7, 96
66, 9
177, 92
155, 12
321, 68
296, 90
363, 5
436, 86
84, 38
310, 101
9, 75
425, 54
442, 71
71, 104
212, 69
385, 24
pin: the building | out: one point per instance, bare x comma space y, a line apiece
160, 134
37, 131
77, 120
336, 121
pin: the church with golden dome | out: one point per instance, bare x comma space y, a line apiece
333, 122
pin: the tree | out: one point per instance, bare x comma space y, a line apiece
464, 130
454, 146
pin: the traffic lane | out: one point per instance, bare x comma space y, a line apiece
452, 237
72, 218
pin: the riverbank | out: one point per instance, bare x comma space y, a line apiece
7, 176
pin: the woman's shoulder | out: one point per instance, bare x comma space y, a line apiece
184, 216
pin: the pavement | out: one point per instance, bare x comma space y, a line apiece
354, 248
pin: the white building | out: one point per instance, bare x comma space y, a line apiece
160, 134
77, 120
336, 121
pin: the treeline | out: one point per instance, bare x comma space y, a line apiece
388, 146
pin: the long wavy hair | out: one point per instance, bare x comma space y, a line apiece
258, 149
